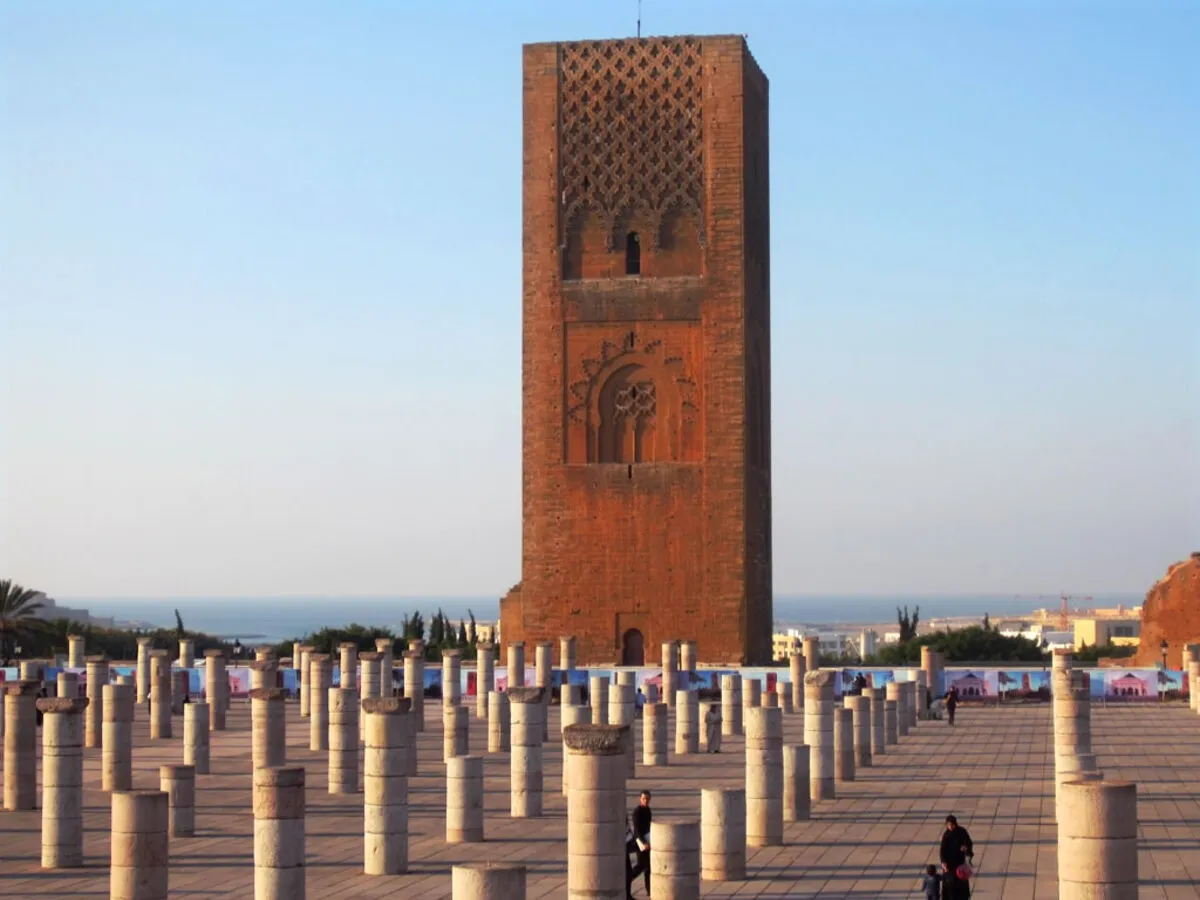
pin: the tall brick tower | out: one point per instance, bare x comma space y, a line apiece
647, 324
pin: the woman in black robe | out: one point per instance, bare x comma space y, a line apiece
956, 849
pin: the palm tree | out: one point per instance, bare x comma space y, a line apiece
17, 608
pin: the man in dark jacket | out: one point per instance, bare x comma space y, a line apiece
955, 850
641, 834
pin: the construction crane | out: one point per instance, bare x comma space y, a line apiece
1064, 618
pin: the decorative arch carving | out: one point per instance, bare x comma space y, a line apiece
633, 403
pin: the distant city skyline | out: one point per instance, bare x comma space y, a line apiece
260, 307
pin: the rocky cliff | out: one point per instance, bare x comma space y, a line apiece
1171, 612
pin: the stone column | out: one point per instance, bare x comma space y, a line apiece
622, 710
160, 696
348, 666
812, 653
516, 665
929, 667
1061, 660
62, 782
687, 722
385, 647
752, 693
140, 863
179, 784
797, 799
566, 654
385, 786
860, 713
670, 674
769, 700
1194, 685
487, 881
527, 710
128, 681
891, 728
303, 679
268, 728
687, 663
216, 689
783, 697
843, 745
464, 799
598, 698
455, 736
722, 834
1080, 768
596, 811
798, 668
543, 678
922, 694
651, 692
675, 866
1097, 840
195, 737
498, 723
875, 696
451, 677
143, 670
895, 694
543, 658
279, 872
264, 652
818, 733
764, 777
263, 674
320, 679
187, 653
416, 645
31, 670
68, 686
116, 762
485, 678
76, 657
370, 685
297, 647
910, 701
97, 677
576, 714
343, 740
1072, 710
180, 690
731, 704
414, 687
655, 722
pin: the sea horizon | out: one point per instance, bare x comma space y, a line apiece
272, 619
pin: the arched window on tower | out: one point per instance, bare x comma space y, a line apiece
633, 254
628, 418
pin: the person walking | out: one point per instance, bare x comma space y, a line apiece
954, 852
641, 836
712, 729
951, 704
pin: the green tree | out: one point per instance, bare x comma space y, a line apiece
908, 623
180, 631
474, 628
18, 608
437, 630
462, 634
987, 622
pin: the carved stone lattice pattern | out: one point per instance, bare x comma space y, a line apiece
635, 401
632, 130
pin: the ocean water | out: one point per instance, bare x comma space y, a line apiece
281, 618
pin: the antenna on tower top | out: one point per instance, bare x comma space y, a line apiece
639, 24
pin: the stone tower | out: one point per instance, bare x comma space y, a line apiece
646, 370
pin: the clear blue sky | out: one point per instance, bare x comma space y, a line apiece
260, 311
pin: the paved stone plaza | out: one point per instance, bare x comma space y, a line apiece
994, 770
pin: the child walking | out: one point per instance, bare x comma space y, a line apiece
931, 884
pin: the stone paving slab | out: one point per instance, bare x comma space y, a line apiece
994, 770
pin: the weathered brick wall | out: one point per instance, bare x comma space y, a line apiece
659, 523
